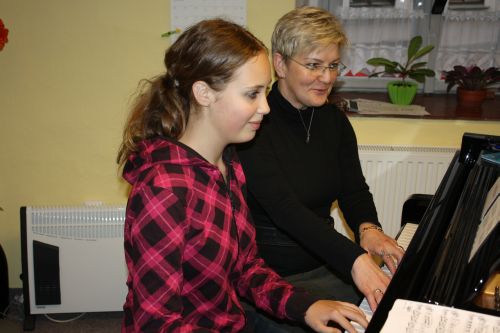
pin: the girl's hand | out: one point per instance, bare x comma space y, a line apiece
321, 312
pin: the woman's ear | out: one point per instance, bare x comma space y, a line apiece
279, 63
202, 93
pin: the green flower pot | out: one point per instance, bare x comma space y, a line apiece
402, 93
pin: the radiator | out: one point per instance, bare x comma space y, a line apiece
396, 172
73, 259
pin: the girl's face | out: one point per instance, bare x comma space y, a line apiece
304, 87
238, 109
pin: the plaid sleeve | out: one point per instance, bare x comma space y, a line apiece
270, 292
154, 254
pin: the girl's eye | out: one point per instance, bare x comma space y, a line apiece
253, 94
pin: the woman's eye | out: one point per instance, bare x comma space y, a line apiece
312, 66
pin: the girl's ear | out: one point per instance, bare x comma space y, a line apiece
202, 93
279, 63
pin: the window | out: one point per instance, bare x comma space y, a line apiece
371, 3
466, 33
462, 4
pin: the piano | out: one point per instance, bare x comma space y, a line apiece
438, 266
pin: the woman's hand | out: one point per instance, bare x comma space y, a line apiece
321, 312
376, 243
369, 279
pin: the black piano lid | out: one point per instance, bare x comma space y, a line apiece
421, 254
473, 144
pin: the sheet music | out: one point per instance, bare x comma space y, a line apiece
371, 107
490, 217
412, 317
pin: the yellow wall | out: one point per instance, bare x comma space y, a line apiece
418, 132
66, 77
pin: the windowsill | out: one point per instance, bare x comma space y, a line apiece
440, 106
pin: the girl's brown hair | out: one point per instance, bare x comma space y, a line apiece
209, 51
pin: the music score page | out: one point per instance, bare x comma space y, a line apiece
416, 317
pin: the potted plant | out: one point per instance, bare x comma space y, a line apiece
472, 83
403, 91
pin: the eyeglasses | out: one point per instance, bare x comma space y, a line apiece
317, 69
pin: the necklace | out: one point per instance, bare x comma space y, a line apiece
307, 128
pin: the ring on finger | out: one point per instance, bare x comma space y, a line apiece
402, 248
378, 290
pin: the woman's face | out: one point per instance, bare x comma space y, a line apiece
241, 105
301, 86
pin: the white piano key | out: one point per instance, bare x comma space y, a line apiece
406, 234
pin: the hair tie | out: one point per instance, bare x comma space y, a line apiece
170, 81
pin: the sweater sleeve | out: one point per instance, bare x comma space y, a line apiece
253, 279
355, 199
271, 190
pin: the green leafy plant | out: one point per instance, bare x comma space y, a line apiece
411, 69
471, 78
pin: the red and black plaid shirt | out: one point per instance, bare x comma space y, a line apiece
190, 248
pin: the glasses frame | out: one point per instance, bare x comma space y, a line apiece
320, 69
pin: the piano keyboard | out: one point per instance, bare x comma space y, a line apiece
404, 239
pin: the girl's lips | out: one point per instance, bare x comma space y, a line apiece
255, 124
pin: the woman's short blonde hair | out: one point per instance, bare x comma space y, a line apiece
304, 29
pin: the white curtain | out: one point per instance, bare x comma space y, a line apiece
469, 38
378, 32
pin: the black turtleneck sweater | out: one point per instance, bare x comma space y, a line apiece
292, 185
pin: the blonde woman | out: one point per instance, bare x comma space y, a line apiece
304, 159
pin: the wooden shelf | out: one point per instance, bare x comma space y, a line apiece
440, 106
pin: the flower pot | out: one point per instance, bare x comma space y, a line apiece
471, 97
402, 93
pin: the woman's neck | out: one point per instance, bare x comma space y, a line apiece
287, 94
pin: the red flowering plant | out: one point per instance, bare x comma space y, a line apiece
3, 35
471, 78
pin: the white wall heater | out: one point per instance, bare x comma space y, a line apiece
396, 172
72, 260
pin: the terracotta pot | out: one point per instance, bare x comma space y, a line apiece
471, 97
402, 94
